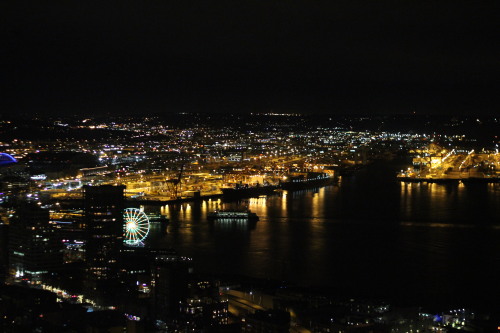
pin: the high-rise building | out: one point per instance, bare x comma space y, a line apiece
205, 312
104, 237
171, 275
205, 307
69, 226
34, 248
4, 252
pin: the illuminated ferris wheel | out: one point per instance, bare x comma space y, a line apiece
135, 227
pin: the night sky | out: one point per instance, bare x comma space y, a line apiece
233, 56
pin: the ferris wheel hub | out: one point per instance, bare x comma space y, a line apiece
136, 226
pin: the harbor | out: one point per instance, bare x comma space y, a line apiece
241, 191
435, 164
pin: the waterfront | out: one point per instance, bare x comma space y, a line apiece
370, 236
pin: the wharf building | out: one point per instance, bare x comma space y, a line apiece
34, 248
103, 225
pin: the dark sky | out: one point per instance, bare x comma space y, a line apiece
332, 56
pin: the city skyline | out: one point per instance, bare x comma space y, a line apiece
249, 223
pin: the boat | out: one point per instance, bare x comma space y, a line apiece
245, 215
247, 191
157, 219
305, 181
291, 183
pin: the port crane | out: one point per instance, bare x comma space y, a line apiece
174, 184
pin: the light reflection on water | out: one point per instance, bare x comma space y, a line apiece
369, 236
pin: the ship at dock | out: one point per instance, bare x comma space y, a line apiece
247, 190
245, 215
306, 180
292, 182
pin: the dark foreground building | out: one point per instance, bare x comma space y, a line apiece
273, 321
103, 224
171, 274
34, 247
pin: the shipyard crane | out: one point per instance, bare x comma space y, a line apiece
174, 184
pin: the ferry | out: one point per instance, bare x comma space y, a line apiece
306, 180
232, 215
157, 219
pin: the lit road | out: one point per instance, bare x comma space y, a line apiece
239, 307
243, 304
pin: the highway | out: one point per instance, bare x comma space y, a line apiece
239, 307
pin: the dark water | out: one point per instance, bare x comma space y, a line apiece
370, 236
